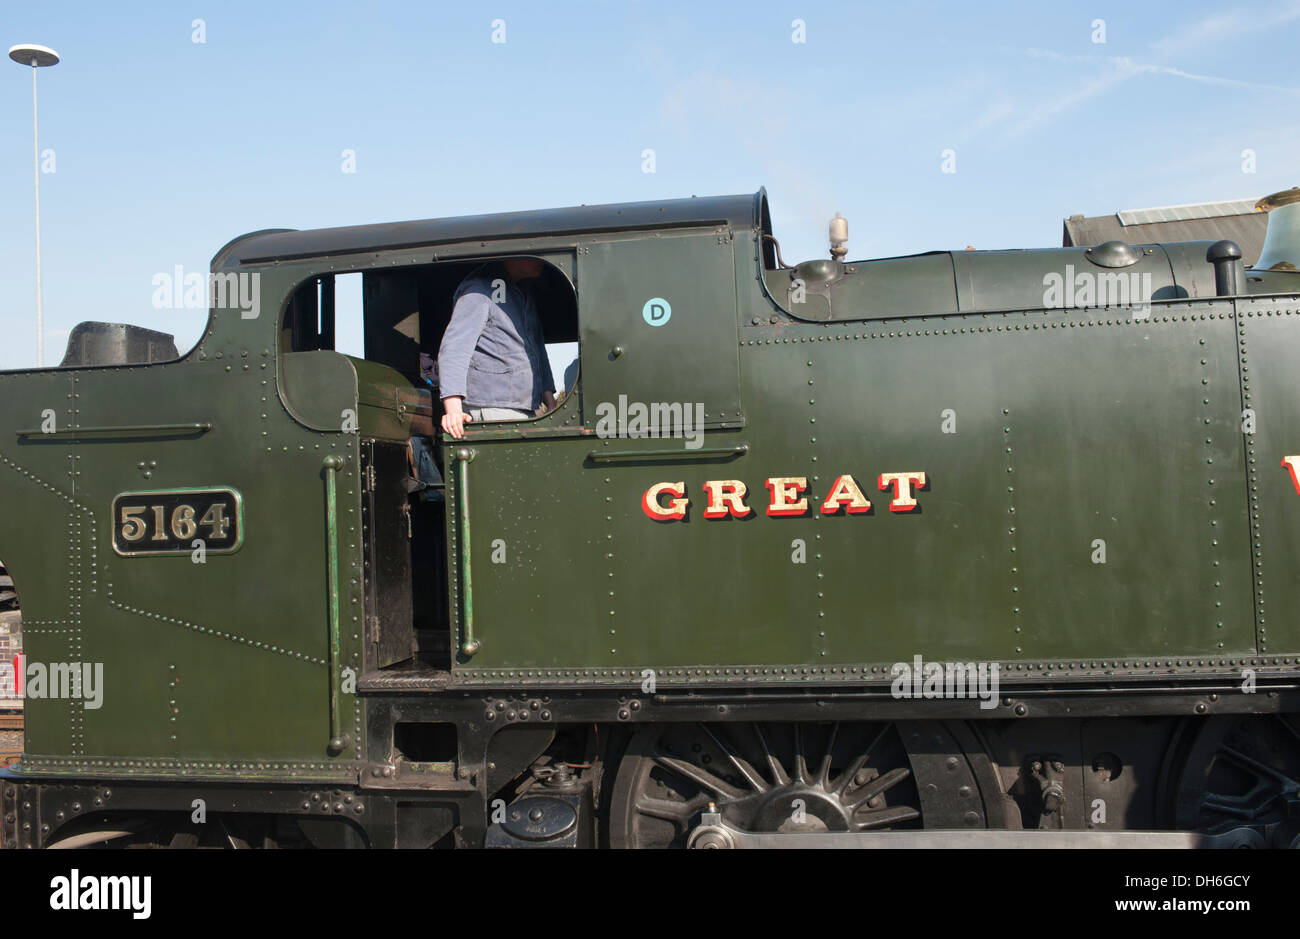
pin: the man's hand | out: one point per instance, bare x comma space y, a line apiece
548, 399
454, 421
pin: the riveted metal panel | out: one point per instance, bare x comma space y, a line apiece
317, 388
1041, 434
210, 668
884, 586
38, 541
1268, 345
537, 553
1127, 517
658, 321
1058, 277
205, 659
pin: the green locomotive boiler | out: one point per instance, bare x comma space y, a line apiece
981, 547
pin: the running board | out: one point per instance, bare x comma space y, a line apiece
714, 832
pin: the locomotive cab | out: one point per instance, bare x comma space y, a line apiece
404, 314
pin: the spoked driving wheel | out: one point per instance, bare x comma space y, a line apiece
1238, 774
794, 778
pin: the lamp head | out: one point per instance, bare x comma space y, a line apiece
27, 53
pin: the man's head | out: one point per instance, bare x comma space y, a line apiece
523, 268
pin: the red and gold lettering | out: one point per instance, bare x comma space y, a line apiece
902, 483
782, 488
676, 507
726, 497
1292, 463
845, 495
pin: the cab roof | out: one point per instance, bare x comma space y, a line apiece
739, 211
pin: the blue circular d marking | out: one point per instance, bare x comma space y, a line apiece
656, 311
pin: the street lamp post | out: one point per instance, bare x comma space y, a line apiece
36, 57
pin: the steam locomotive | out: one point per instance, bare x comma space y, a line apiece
958, 548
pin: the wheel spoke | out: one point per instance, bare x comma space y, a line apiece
1255, 766
1289, 727
779, 778
800, 764
234, 841
879, 785
824, 770
1247, 806
847, 779
668, 810
701, 777
889, 816
751, 775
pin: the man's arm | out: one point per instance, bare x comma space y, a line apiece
468, 318
455, 419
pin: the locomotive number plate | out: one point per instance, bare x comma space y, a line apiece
170, 521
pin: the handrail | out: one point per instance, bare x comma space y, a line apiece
130, 430
663, 456
332, 464
469, 645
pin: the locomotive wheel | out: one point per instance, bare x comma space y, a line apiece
1233, 772
785, 778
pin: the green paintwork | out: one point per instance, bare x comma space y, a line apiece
691, 358
1072, 426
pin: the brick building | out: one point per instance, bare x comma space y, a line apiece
11, 644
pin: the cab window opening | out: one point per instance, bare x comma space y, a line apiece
398, 317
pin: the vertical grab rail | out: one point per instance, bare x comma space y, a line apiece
469, 645
332, 464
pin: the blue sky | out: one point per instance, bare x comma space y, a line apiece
166, 148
